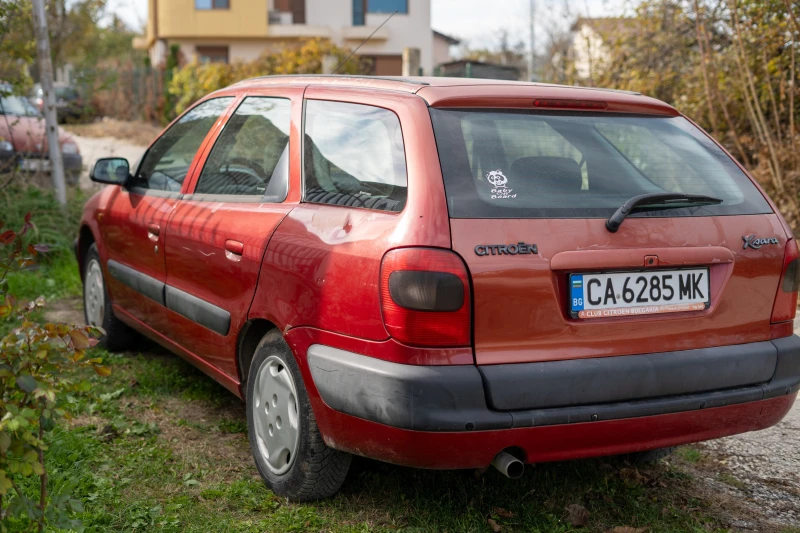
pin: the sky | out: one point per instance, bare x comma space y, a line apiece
468, 20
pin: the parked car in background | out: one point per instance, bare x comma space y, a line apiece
23, 139
70, 106
450, 273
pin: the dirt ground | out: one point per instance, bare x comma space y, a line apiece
96, 141
754, 477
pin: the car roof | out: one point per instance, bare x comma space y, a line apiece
410, 84
453, 92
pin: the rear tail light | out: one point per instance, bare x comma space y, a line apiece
785, 306
425, 297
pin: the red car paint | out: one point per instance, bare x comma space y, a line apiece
313, 272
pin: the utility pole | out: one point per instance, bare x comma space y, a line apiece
532, 56
46, 79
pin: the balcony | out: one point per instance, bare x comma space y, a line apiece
359, 33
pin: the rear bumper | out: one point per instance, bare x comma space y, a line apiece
428, 406
467, 397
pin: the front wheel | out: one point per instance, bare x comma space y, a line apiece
288, 448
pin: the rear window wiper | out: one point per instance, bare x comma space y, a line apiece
656, 200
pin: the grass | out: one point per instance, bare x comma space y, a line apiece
163, 448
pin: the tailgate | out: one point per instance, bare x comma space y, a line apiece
522, 301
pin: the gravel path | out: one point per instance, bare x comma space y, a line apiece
93, 148
761, 469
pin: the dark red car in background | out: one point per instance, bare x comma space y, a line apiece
23, 139
450, 273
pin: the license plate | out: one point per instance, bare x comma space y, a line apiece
638, 293
35, 165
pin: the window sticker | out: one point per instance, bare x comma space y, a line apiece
500, 183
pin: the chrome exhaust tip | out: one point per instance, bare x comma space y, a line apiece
508, 465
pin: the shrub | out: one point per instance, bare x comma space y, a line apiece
196, 80
34, 363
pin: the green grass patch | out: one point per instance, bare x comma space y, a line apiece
162, 448
689, 454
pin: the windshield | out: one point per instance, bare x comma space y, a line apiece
66, 93
534, 164
17, 105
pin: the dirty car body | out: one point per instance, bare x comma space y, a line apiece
23, 138
436, 256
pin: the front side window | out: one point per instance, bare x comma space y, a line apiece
167, 162
251, 155
211, 4
536, 164
353, 155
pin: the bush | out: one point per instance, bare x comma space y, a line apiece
34, 363
196, 80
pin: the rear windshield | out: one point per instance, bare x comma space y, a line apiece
533, 164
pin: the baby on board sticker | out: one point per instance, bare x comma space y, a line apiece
499, 181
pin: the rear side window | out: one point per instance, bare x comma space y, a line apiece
353, 155
251, 155
533, 164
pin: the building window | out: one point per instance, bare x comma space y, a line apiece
362, 7
387, 6
211, 4
359, 12
212, 54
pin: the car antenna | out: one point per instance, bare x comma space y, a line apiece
363, 43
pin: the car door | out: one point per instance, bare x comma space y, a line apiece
218, 235
134, 223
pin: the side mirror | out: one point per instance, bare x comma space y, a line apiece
113, 170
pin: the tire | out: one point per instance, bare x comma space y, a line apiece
649, 456
97, 306
303, 468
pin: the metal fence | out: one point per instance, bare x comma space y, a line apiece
126, 93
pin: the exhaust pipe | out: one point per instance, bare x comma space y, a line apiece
508, 465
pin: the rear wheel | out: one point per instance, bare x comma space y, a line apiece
287, 446
97, 306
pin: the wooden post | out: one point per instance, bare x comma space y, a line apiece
46, 80
411, 62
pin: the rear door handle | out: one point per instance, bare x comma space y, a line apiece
233, 250
153, 230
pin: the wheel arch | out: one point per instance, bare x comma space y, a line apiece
85, 240
249, 337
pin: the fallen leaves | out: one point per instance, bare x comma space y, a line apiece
577, 515
495, 526
502, 513
632, 476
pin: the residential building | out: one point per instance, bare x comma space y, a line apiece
242, 30
478, 69
589, 51
442, 48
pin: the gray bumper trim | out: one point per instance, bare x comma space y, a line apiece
627, 378
451, 398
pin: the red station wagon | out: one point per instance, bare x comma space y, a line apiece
449, 273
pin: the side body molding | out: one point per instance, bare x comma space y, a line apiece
141, 283
200, 311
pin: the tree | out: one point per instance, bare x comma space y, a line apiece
729, 64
